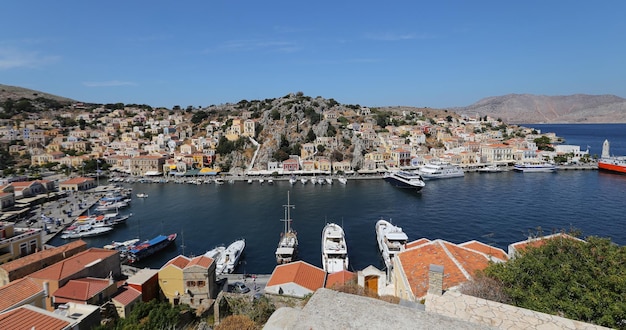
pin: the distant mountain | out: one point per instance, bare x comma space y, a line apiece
534, 109
17, 93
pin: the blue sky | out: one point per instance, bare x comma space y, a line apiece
415, 53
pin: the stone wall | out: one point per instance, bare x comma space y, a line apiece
491, 313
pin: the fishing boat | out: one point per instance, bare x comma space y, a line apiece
145, 249
287, 249
391, 241
404, 179
86, 230
532, 167
232, 254
615, 164
440, 170
334, 249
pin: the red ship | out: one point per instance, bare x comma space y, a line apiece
613, 164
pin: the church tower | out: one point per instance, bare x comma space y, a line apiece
605, 149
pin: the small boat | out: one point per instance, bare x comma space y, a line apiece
404, 179
219, 181
292, 180
321, 180
342, 180
261, 181
440, 170
231, 257
304, 180
287, 249
142, 195
86, 230
121, 245
145, 249
334, 249
112, 206
490, 169
116, 218
391, 241
249, 181
532, 168
217, 254
329, 180
270, 181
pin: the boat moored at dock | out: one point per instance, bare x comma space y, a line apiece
391, 241
531, 167
440, 170
405, 179
334, 249
615, 164
287, 249
145, 249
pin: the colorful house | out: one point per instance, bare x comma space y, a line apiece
189, 281
296, 279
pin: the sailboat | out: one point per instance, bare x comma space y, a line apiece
288, 244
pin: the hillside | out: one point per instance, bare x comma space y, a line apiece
16, 93
533, 109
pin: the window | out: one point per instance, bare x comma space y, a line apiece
23, 250
201, 284
191, 283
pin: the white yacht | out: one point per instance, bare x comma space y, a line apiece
293, 180
231, 256
287, 249
86, 230
540, 167
217, 254
440, 170
404, 179
334, 249
391, 240
342, 180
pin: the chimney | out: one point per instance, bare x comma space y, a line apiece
435, 279
46, 289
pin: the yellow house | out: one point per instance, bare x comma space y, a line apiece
189, 281
16, 243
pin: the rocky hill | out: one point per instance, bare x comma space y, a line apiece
17, 93
533, 109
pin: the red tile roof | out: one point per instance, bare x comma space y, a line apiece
202, 261
73, 264
299, 272
178, 261
77, 180
459, 264
31, 258
339, 278
486, 249
81, 289
18, 291
28, 317
126, 295
536, 242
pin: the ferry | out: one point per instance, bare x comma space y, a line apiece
541, 167
404, 179
440, 170
610, 163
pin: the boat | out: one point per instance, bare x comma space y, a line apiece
270, 181
404, 179
334, 249
219, 181
292, 180
391, 241
321, 180
116, 218
329, 180
121, 245
261, 181
342, 180
145, 249
217, 254
535, 167
615, 164
440, 170
304, 180
114, 196
86, 230
142, 195
249, 181
231, 257
111, 206
287, 249
490, 169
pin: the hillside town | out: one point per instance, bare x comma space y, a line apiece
52, 152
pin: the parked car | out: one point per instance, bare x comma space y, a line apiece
238, 287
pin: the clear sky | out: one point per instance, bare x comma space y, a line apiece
373, 53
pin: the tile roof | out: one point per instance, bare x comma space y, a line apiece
416, 243
179, 261
73, 264
339, 278
459, 264
202, 261
126, 295
26, 260
76, 180
536, 242
29, 317
486, 249
18, 291
82, 289
299, 272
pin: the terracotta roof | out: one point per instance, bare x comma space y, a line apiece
178, 261
416, 243
81, 289
202, 261
536, 242
299, 272
77, 180
31, 258
339, 278
486, 249
126, 295
18, 291
73, 264
28, 317
459, 264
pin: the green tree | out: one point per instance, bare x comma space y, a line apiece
584, 281
275, 115
544, 143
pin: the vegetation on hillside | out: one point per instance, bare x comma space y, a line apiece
579, 280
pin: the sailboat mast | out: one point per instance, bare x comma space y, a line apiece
287, 215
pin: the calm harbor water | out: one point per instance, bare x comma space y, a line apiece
496, 208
